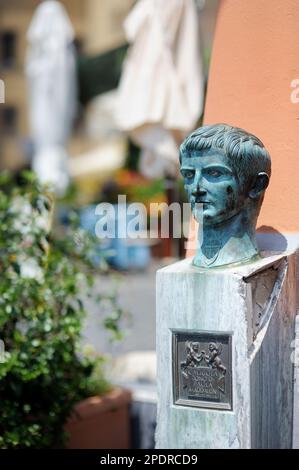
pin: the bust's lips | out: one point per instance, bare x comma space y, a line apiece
196, 201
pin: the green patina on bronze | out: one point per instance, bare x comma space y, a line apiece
226, 171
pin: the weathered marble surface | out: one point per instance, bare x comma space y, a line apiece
295, 357
260, 311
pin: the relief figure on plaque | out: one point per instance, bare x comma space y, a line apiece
213, 357
198, 366
193, 356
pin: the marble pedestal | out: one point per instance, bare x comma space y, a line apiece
225, 376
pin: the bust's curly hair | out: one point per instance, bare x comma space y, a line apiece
247, 153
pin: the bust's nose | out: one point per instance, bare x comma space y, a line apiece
197, 189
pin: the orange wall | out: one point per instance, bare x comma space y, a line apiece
255, 58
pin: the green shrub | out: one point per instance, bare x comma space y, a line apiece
43, 372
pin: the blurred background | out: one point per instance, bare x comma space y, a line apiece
98, 97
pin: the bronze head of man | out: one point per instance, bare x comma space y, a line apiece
226, 171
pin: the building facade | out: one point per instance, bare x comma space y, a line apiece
98, 28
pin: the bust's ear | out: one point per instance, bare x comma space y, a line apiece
260, 183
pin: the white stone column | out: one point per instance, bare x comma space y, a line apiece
242, 397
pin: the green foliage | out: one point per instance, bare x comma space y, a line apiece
43, 372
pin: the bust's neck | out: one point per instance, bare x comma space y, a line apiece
232, 241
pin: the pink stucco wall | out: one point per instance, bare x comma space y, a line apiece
254, 61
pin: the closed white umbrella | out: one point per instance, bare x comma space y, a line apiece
161, 88
51, 74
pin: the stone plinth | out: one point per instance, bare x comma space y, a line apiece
225, 377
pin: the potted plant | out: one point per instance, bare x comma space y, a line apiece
44, 374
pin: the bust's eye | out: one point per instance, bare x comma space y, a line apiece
215, 173
188, 174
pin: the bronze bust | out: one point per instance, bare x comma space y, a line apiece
226, 171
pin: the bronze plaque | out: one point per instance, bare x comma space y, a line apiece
202, 369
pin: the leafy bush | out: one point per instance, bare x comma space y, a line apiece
43, 372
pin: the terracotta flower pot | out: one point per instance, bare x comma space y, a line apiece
101, 422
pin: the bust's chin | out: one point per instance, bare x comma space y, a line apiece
198, 214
